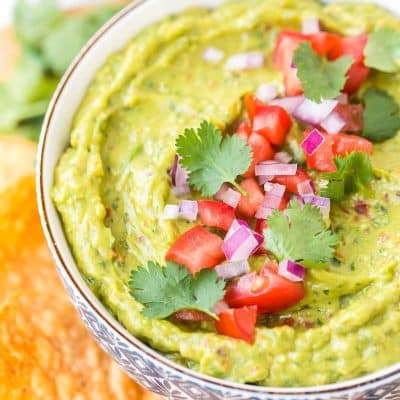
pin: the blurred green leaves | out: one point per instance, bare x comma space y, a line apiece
49, 42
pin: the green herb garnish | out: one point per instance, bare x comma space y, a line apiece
212, 159
383, 50
381, 116
353, 172
300, 234
165, 290
321, 79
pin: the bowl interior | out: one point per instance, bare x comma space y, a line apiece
55, 138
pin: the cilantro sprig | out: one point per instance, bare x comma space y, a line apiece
383, 50
353, 172
212, 159
165, 290
321, 79
300, 234
381, 116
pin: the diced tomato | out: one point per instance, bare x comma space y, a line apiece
353, 115
244, 131
252, 104
262, 151
322, 159
352, 46
261, 224
324, 42
291, 181
191, 315
284, 202
345, 144
216, 214
286, 44
248, 205
239, 323
356, 76
267, 290
196, 249
273, 122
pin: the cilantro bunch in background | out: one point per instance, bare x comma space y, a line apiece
49, 41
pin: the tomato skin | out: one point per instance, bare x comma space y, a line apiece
286, 44
248, 205
262, 151
324, 42
191, 315
216, 214
353, 115
292, 83
261, 224
196, 249
356, 76
273, 122
238, 323
291, 181
352, 46
267, 290
345, 144
322, 159
244, 131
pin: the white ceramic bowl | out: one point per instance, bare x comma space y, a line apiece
147, 366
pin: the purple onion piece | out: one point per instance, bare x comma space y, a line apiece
275, 169
333, 123
266, 92
289, 103
312, 142
305, 188
232, 269
290, 270
283, 157
312, 113
171, 211
188, 209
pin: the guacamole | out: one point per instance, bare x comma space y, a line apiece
112, 184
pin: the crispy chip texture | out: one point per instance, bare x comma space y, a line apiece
45, 351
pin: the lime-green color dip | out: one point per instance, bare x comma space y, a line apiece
111, 186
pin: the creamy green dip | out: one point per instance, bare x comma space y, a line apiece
111, 186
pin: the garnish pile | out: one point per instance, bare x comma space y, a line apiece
255, 199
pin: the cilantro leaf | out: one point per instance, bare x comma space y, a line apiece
211, 158
70, 36
320, 79
353, 172
383, 50
34, 20
301, 235
165, 290
381, 116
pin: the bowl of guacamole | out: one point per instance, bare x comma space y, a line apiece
219, 183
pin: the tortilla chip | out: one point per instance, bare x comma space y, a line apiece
45, 351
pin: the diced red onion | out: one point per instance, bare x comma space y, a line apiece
171, 211
213, 55
181, 191
220, 306
232, 269
312, 142
323, 203
259, 238
343, 98
310, 25
283, 157
188, 209
240, 245
274, 169
264, 212
236, 224
313, 113
333, 123
290, 270
271, 201
172, 171
245, 61
275, 189
297, 198
267, 92
289, 103
265, 178
305, 188
228, 196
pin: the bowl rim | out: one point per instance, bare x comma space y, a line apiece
365, 382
